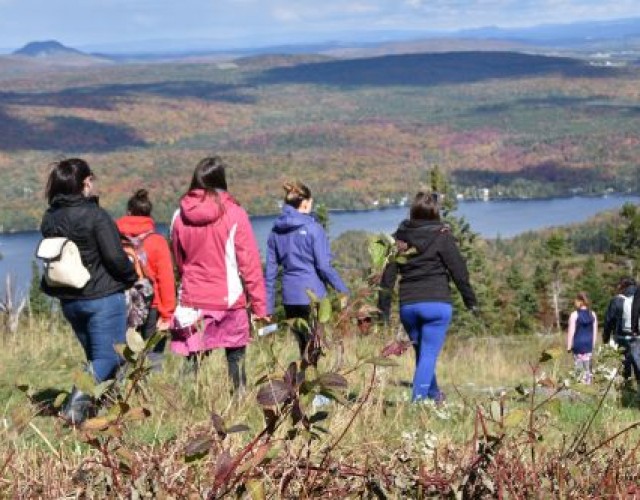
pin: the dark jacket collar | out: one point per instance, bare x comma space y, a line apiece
72, 200
419, 233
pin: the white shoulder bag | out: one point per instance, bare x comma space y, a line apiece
62, 264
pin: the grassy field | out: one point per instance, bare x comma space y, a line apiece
489, 438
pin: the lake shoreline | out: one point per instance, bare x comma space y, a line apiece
343, 211
489, 220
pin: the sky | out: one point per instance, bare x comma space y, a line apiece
91, 23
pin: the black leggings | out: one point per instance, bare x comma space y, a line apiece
149, 328
302, 335
235, 364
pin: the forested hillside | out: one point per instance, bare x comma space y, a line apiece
359, 132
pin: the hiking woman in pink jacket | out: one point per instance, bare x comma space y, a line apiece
219, 263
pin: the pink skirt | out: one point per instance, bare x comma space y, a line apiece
215, 329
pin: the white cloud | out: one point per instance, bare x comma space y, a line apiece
91, 21
360, 8
285, 15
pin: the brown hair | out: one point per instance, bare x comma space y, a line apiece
295, 193
210, 175
140, 204
67, 178
584, 298
625, 283
425, 207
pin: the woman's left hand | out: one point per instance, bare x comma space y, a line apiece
163, 324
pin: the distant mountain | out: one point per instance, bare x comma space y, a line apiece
49, 48
53, 53
581, 35
587, 36
561, 34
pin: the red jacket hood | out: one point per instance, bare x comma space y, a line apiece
133, 225
199, 209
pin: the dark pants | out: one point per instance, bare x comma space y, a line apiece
149, 328
631, 357
302, 335
99, 324
235, 364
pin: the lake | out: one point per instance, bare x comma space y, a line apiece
490, 219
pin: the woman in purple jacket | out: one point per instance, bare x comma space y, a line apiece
299, 244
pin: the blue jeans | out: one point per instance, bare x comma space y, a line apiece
426, 323
99, 324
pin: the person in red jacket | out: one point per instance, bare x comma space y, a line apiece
139, 224
218, 260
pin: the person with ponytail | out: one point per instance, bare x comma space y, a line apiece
299, 244
581, 336
139, 226
219, 262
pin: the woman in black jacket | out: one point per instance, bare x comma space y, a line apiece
97, 312
430, 257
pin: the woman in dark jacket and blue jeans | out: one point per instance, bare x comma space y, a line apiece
300, 245
432, 258
97, 312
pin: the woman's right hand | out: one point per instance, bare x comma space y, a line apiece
343, 300
261, 320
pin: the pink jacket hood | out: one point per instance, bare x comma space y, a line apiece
198, 208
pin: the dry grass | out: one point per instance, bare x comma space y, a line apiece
377, 427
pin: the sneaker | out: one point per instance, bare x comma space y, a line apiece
155, 361
319, 400
440, 399
78, 408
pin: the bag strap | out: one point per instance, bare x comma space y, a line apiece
137, 243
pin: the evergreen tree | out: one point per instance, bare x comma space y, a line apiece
524, 303
556, 250
322, 215
625, 237
591, 281
474, 250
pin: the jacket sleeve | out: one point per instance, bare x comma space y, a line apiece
46, 228
162, 267
112, 254
177, 248
387, 284
571, 330
322, 260
249, 265
635, 311
610, 320
455, 264
271, 273
595, 329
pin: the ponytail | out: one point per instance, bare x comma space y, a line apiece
296, 193
139, 203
